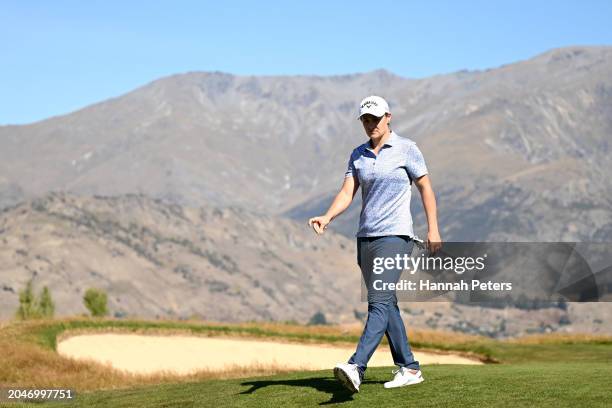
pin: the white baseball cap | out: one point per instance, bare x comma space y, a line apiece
374, 105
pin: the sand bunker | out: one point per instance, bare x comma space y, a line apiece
144, 354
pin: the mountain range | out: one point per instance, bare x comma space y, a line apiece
519, 152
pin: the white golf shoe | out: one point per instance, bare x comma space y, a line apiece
348, 375
403, 377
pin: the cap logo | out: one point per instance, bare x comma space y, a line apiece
367, 104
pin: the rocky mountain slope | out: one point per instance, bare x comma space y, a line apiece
159, 259
506, 147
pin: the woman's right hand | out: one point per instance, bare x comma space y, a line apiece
319, 224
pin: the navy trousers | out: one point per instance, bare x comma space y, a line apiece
383, 314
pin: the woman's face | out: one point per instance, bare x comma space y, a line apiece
375, 126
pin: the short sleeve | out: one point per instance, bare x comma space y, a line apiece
415, 162
350, 171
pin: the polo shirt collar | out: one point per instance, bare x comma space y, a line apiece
392, 139
390, 142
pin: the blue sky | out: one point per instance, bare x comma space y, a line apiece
58, 56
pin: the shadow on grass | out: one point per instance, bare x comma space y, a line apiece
327, 385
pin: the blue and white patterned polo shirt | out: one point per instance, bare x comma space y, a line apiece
386, 182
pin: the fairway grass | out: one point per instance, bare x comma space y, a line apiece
521, 385
554, 371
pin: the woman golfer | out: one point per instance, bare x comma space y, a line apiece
385, 167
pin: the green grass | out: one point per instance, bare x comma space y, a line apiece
570, 372
522, 385
573, 353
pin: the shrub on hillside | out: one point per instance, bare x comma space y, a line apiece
317, 319
33, 307
95, 301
